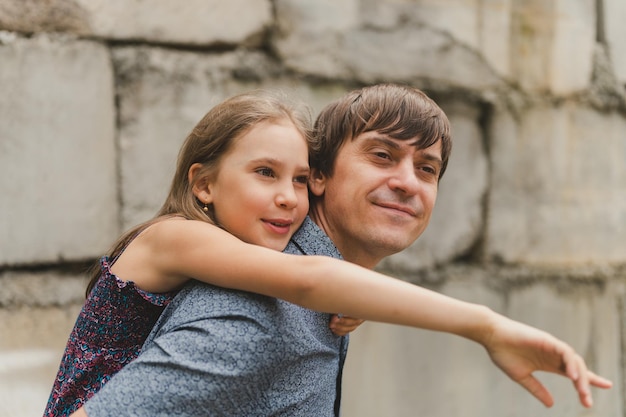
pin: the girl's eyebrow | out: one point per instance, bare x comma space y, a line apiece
266, 160
276, 162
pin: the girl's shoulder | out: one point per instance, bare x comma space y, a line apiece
178, 227
159, 227
173, 221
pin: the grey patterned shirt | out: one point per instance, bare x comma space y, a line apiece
218, 352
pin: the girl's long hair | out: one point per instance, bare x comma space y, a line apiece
207, 143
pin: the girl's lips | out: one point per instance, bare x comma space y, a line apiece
279, 226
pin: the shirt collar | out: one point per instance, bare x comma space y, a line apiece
313, 241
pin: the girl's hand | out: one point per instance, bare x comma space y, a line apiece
342, 325
521, 350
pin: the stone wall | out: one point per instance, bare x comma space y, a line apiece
97, 95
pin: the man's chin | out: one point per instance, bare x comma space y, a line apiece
391, 244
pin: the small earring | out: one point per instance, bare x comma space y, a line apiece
205, 208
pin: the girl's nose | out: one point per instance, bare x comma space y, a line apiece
287, 197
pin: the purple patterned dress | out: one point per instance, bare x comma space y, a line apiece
109, 332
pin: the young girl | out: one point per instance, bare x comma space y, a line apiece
244, 169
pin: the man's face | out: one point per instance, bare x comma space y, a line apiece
380, 197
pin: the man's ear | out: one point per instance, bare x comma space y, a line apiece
317, 182
201, 184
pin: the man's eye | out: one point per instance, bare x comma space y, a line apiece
383, 155
266, 172
427, 169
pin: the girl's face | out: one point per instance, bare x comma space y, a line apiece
259, 193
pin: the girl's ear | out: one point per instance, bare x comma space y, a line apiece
317, 182
201, 184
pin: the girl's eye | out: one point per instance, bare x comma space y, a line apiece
302, 179
266, 172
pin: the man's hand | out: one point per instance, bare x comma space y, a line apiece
342, 325
519, 350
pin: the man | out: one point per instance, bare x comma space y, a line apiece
382, 151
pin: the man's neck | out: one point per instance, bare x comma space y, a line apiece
349, 253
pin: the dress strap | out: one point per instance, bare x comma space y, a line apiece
141, 229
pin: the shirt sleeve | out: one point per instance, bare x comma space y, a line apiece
197, 368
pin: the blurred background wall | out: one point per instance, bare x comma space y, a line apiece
96, 97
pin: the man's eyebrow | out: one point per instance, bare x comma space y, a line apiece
395, 145
383, 141
431, 157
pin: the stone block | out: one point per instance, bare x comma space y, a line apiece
552, 45
614, 31
541, 46
479, 26
352, 45
30, 357
34, 16
194, 22
57, 150
41, 289
557, 185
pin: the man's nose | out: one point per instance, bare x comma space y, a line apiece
404, 178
